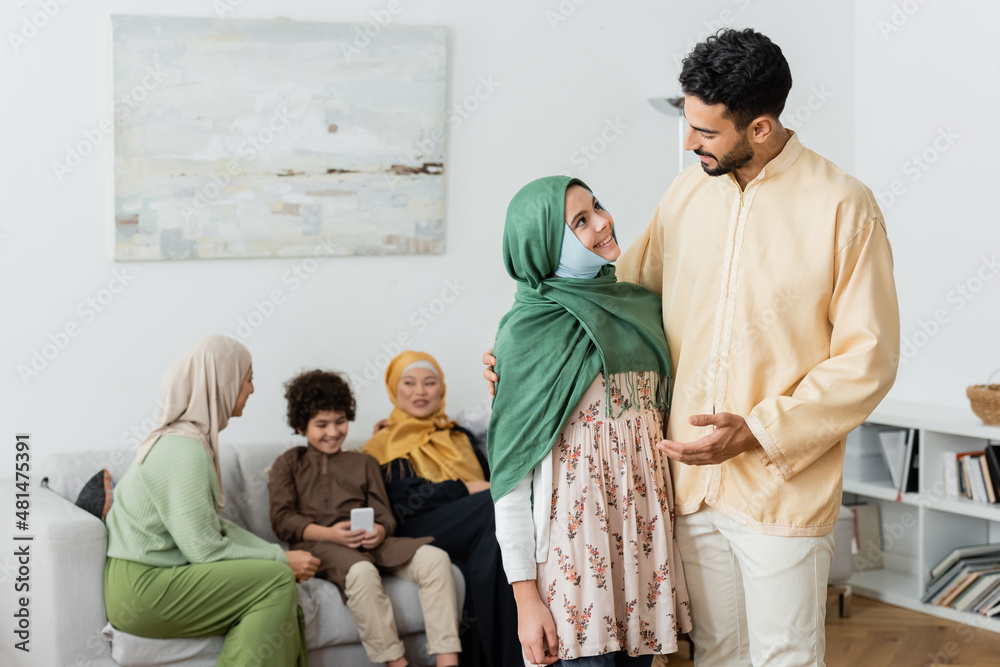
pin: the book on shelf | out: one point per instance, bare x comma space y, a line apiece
968, 475
992, 611
863, 460
987, 480
993, 463
991, 600
976, 480
949, 467
962, 598
968, 577
979, 592
892, 442
963, 478
866, 544
911, 478
957, 579
971, 551
940, 586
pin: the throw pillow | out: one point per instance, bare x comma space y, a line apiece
96, 495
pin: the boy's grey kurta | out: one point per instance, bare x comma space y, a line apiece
308, 486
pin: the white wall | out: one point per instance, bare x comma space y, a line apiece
557, 90
927, 75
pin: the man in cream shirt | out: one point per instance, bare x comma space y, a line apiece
780, 310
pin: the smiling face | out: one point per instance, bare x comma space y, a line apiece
714, 139
245, 390
327, 430
419, 393
591, 223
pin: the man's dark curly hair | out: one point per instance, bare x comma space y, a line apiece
313, 392
741, 69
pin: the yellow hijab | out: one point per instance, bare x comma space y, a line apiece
433, 448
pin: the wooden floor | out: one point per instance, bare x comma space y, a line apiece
880, 635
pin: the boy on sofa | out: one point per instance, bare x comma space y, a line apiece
313, 490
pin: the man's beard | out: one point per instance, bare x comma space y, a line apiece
731, 161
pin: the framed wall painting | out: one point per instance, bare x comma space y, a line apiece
242, 139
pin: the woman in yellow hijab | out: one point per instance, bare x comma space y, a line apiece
435, 474
418, 431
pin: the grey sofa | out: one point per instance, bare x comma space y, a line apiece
69, 626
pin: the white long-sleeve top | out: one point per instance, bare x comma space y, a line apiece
522, 523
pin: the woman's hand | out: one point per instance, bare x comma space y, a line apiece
535, 628
490, 361
303, 564
379, 425
476, 486
374, 538
341, 533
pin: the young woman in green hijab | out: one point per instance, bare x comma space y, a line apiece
583, 501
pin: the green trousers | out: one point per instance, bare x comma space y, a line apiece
254, 603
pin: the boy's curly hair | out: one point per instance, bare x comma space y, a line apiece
313, 392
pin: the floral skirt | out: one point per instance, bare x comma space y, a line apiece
613, 579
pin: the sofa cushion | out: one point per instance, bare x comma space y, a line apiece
131, 651
329, 622
245, 472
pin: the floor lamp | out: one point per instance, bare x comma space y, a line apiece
673, 106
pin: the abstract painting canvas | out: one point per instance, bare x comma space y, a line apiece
237, 139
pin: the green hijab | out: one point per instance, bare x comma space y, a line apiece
560, 333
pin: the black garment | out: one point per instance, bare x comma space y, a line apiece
464, 526
411, 496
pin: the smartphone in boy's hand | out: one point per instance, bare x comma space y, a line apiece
363, 518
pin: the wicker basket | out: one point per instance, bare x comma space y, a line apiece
985, 400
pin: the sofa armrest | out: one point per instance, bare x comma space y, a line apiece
66, 583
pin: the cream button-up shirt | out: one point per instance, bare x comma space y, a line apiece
779, 305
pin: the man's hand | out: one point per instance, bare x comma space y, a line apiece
490, 361
303, 564
374, 538
379, 425
730, 438
341, 533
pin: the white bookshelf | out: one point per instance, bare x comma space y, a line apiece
919, 529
